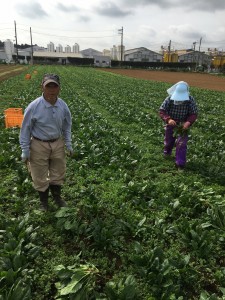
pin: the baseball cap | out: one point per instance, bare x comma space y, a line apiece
181, 92
48, 78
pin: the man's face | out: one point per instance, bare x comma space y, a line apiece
51, 91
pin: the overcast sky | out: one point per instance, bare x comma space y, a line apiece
96, 23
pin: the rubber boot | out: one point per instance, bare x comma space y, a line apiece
44, 200
56, 194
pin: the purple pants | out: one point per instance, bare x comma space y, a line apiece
181, 145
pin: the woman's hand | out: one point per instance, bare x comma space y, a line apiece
186, 125
172, 122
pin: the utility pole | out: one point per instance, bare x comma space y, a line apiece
120, 31
16, 43
194, 44
31, 57
169, 50
200, 42
199, 49
193, 54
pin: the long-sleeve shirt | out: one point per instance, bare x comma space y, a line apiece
187, 111
46, 121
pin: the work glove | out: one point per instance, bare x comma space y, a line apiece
172, 122
25, 155
186, 125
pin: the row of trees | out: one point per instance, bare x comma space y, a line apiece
22, 46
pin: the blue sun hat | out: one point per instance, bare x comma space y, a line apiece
179, 92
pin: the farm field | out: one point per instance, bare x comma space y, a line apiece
201, 80
135, 227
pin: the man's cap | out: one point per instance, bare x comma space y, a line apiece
181, 92
48, 78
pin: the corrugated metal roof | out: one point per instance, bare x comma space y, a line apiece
56, 54
130, 51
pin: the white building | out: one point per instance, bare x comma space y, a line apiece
9, 50
67, 49
76, 48
106, 52
59, 48
51, 47
120, 52
114, 53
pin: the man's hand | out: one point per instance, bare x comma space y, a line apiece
186, 125
25, 156
70, 152
172, 122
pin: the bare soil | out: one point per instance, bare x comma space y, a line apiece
200, 80
7, 71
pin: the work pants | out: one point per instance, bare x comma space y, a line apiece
47, 163
181, 145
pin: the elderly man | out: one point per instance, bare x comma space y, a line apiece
45, 131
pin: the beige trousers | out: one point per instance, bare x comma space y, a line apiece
47, 163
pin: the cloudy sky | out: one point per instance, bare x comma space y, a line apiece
97, 23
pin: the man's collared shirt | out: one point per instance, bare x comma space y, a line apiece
46, 122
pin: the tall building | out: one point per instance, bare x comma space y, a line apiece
9, 49
114, 54
120, 52
68, 49
106, 52
51, 47
59, 48
76, 48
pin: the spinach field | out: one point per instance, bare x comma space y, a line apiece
135, 228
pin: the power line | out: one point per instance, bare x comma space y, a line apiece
56, 29
76, 37
70, 37
6, 28
175, 45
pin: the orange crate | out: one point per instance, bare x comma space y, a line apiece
13, 111
28, 76
13, 117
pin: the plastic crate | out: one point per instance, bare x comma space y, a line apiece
28, 76
13, 117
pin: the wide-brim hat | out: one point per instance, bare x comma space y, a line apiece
181, 92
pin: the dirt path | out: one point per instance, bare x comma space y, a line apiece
10, 71
205, 81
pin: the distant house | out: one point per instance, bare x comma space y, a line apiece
90, 52
59, 57
142, 54
200, 58
102, 61
35, 48
3, 56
